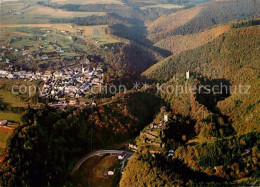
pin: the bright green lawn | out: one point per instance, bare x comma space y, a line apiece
11, 99
10, 116
91, 173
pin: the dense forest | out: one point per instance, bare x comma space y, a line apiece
226, 57
220, 163
201, 17
47, 144
215, 136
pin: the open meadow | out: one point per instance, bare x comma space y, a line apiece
10, 98
35, 14
87, 2
94, 171
5, 132
165, 6
27, 19
92, 34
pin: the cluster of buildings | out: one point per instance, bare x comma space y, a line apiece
29, 56
16, 13
73, 82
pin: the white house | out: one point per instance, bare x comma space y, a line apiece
171, 152
44, 57
122, 156
110, 173
10, 76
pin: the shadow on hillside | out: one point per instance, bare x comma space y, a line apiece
3, 104
220, 89
137, 33
180, 126
189, 174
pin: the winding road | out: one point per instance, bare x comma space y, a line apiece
96, 153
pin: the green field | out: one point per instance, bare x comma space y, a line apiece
87, 2
4, 134
165, 6
91, 173
9, 98
10, 116
35, 20
36, 14
27, 31
3, 138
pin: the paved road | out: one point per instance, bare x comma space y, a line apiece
96, 153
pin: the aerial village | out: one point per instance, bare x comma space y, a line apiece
71, 82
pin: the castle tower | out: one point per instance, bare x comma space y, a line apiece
82, 69
188, 75
165, 118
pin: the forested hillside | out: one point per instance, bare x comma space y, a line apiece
201, 17
232, 56
223, 162
215, 136
179, 43
44, 148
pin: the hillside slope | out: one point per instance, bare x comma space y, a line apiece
231, 57
179, 43
201, 17
213, 137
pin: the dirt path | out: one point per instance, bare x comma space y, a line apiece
6, 129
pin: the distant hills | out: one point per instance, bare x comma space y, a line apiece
201, 17
179, 43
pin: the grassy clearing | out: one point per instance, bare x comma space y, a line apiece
90, 32
4, 135
58, 13
107, 163
179, 43
25, 19
36, 14
84, 174
87, 2
3, 138
165, 6
92, 172
161, 25
37, 18
10, 116
11, 99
